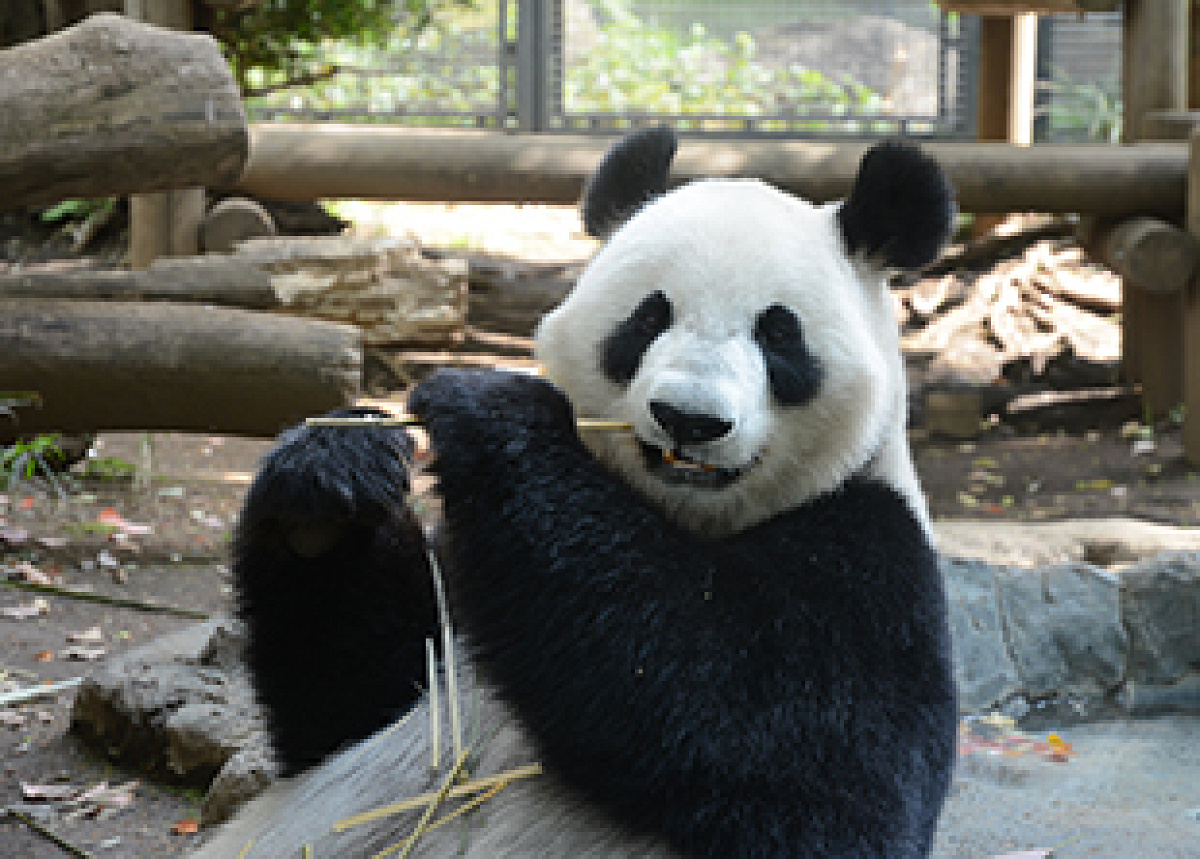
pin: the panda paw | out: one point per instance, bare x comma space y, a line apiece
491, 413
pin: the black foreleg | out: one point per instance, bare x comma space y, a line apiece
333, 584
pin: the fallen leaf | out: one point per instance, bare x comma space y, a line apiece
185, 827
52, 542
88, 636
44, 656
27, 572
84, 654
24, 611
47, 792
13, 536
12, 718
111, 517
207, 519
117, 796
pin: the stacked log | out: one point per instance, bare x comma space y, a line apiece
166, 366
1034, 307
112, 107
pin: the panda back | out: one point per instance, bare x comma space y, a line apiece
529, 817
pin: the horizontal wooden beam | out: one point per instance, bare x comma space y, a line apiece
306, 162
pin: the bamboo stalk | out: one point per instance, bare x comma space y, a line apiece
119, 602
409, 843
585, 424
472, 787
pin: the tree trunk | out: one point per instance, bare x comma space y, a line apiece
112, 107
120, 366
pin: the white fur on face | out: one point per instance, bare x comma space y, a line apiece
722, 251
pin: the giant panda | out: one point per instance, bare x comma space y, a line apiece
721, 633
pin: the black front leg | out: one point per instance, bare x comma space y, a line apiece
784, 691
333, 584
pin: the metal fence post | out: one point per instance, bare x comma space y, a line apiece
533, 66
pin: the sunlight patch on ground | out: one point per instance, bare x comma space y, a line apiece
532, 232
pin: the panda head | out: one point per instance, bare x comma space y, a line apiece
746, 334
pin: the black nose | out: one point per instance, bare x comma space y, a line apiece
688, 427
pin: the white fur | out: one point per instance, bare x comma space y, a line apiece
722, 251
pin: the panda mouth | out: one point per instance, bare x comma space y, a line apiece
675, 468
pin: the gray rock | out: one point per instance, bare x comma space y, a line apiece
1147, 700
1064, 631
983, 671
183, 702
244, 776
1161, 606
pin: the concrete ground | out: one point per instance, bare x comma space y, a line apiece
1132, 790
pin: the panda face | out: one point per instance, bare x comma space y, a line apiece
755, 359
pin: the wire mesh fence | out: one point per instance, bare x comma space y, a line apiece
820, 68
1079, 79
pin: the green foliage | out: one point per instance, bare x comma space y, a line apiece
77, 210
445, 66
21, 460
1084, 112
281, 38
635, 67
448, 72
107, 468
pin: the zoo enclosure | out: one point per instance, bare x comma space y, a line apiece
858, 68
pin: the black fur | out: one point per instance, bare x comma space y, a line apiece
795, 373
901, 210
632, 174
622, 350
333, 584
785, 691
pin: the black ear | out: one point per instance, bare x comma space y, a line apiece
901, 210
632, 174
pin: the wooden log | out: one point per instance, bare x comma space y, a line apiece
307, 162
384, 286
234, 220
1170, 124
1154, 77
1148, 253
219, 280
1155, 61
118, 366
1015, 7
1191, 323
112, 107
166, 223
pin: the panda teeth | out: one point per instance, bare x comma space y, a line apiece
675, 468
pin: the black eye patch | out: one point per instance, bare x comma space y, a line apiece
794, 372
622, 350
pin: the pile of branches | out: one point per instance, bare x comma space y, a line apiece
1038, 302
